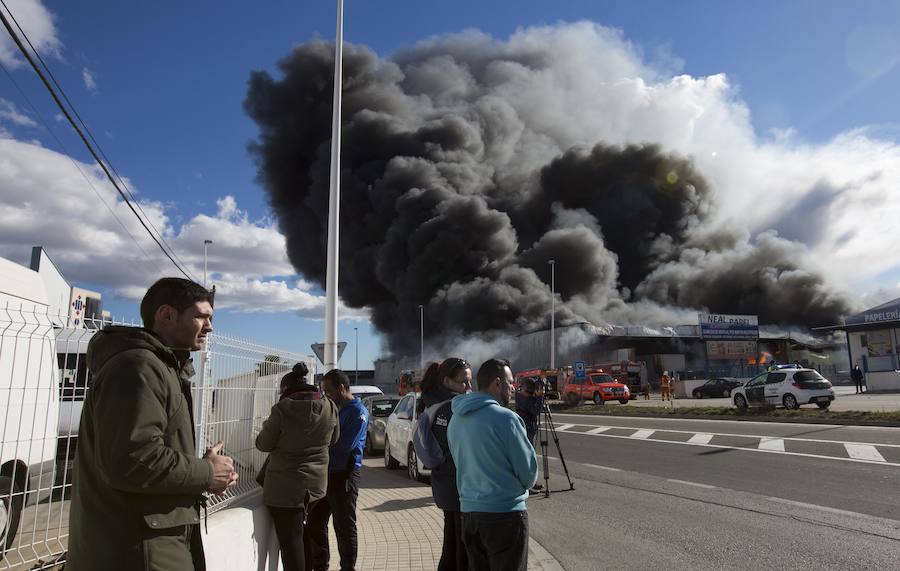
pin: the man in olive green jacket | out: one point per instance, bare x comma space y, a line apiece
137, 483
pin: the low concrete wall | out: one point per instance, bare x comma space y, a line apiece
883, 381
683, 389
241, 537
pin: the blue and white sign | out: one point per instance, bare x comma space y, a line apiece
720, 326
579, 369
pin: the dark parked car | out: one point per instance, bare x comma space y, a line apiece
379, 407
717, 388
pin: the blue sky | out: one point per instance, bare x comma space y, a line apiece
169, 79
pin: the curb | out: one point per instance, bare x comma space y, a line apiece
542, 559
787, 420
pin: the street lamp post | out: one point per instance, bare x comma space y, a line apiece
422, 339
552, 314
206, 244
334, 203
356, 330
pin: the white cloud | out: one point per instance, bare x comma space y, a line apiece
90, 82
38, 24
11, 114
44, 200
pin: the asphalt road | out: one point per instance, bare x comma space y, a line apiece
658, 493
845, 399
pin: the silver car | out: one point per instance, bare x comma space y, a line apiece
380, 407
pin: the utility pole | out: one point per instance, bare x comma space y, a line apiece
552, 314
334, 203
206, 244
356, 330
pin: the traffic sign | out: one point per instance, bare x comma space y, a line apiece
319, 350
579, 369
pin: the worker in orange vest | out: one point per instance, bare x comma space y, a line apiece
665, 386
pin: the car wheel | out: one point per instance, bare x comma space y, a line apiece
389, 461
823, 405
369, 449
412, 464
598, 400
12, 501
790, 401
698, 395
740, 401
623, 401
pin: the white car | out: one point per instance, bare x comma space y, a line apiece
398, 445
363, 391
790, 388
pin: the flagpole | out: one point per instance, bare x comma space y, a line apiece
334, 203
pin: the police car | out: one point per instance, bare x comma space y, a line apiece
788, 387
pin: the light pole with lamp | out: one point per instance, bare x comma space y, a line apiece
422, 338
552, 314
356, 330
206, 244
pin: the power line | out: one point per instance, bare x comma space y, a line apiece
89, 133
84, 139
75, 164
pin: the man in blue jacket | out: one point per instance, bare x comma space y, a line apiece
344, 463
495, 467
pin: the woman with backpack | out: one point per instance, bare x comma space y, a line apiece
439, 385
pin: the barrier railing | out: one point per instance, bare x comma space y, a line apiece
44, 381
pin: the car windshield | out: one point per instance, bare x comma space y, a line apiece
383, 407
808, 376
602, 379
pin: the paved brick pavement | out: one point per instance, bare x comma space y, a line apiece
401, 529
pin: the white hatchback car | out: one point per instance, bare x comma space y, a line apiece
398, 445
787, 387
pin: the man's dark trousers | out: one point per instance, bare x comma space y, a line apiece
496, 541
339, 504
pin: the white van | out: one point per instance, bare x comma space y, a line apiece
363, 391
29, 395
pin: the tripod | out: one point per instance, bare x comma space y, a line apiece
545, 428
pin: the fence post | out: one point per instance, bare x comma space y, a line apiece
201, 402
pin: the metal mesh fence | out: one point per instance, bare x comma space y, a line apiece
44, 380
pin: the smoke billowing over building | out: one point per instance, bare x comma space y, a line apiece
469, 163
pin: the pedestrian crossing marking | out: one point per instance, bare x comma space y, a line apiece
700, 439
564, 426
598, 430
643, 434
775, 444
864, 452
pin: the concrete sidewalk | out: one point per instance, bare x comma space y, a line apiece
401, 529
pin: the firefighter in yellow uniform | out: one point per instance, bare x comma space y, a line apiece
665, 386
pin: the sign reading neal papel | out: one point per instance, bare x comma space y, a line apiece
720, 326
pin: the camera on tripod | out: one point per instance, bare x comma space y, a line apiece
537, 386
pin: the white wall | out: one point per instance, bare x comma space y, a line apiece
886, 381
57, 288
241, 537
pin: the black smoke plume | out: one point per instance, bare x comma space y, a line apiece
455, 196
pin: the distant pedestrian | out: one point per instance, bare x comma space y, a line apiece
645, 387
344, 464
296, 435
858, 377
496, 465
439, 385
138, 484
665, 386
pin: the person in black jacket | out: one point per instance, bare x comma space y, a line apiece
857, 376
529, 405
439, 385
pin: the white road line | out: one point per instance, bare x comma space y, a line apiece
864, 452
774, 444
643, 434
610, 468
598, 430
564, 426
699, 438
817, 440
745, 449
697, 484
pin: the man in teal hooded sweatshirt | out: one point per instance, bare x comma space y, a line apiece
495, 467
